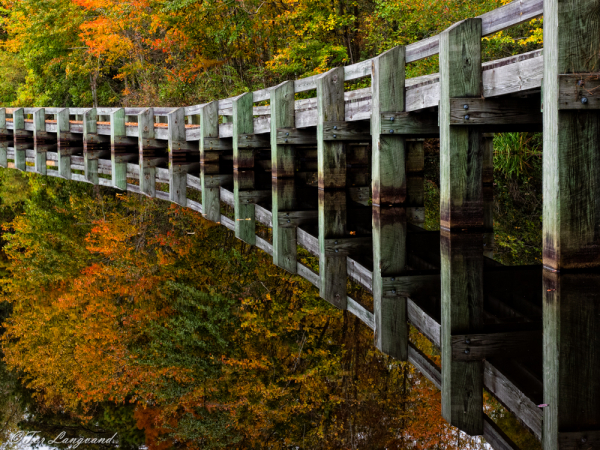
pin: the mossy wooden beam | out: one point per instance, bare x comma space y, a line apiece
571, 217
331, 168
243, 168
461, 155
462, 313
120, 149
147, 147
389, 188
94, 146
209, 162
283, 171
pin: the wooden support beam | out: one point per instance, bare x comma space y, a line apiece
118, 152
479, 346
216, 143
571, 217
4, 139
346, 131
94, 146
291, 219
64, 151
39, 138
462, 312
209, 167
3, 129
283, 185
243, 167
494, 111
412, 124
4, 153
571, 361
254, 141
579, 91
295, 136
461, 155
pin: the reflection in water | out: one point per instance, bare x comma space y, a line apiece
145, 311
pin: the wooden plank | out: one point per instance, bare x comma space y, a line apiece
571, 352
571, 215
579, 440
119, 166
478, 346
332, 266
461, 193
330, 108
424, 323
263, 215
512, 398
425, 365
505, 111
253, 141
295, 136
495, 436
288, 219
215, 143
308, 275
361, 312
4, 153
308, 241
284, 229
579, 91
346, 131
345, 246
462, 311
264, 245
91, 145
409, 123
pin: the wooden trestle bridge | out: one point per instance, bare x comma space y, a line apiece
341, 174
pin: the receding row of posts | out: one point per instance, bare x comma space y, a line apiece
394, 152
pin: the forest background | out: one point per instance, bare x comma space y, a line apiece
123, 313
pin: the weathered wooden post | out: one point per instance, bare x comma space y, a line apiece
571, 361
243, 170
389, 197
209, 162
179, 165
148, 147
332, 184
282, 169
20, 139
65, 138
461, 209
39, 140
94, 146
571, 216
118, 149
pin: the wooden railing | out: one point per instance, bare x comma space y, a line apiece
341, 175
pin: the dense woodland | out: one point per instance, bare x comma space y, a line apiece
131, 315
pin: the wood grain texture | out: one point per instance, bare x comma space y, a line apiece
346, 131
361, 312
571, 357
579, 91
461, 193
284, 235
282, 116
296, 136
409, 123
330, 108
571, 215
211, 192
462, 312
40, 138
19, 134
478, 346
388, 161
479, 111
